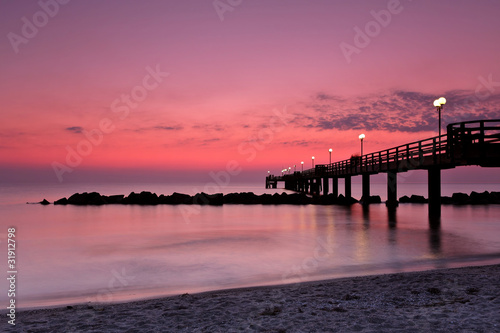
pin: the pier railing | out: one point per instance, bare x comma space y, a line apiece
465, 143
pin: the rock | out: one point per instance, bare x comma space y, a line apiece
245, 198
404, 199
266, 199
44, 202
460, 198
62, 201
392, 203
179, 199
143, 198
85, 198
208, 199
341, 200
114, 199
303, 199
445, 200
479, 198
418, 199
495, 197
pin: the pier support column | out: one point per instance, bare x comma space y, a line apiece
392, 189
325, 186
306, 186
348, 192
335, 187
365, 197
434, 188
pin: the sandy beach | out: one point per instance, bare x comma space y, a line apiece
448, 300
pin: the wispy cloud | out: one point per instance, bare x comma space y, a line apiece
405, 111
158, 128
209, 127
168, 128
74, 129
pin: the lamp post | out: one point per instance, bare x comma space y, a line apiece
313, 161
361, 137
294, 168
302, 165
439, 104
289, 169
330, 151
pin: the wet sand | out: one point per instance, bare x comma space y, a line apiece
449, 300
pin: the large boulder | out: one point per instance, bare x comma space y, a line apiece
245, 198
344, 201
460, 198
208, 199
445, 200
85, 198
179, 199
479, 198
418, 199
143, 198
404, 199
62, 201
495, 197
114, 199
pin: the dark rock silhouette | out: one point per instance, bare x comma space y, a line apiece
85, 198
114, 199
249, 198
445, 200
460, 198
418, 199
480, 198
404, 199
62, 201
143, 198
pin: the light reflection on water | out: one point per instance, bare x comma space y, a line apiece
69, 254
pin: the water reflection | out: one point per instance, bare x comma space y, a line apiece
391, 217
235, 245
366, 217
435, 240
392, 231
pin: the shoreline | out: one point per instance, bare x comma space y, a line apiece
451, 299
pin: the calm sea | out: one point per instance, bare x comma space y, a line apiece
69, 254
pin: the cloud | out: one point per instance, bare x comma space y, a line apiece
303, 143
168, 128
209, 127
74, 129
405, 111
157, 128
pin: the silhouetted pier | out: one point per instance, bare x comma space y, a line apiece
465, 143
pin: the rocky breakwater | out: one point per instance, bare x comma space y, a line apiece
249, 198
218, 199
475, 198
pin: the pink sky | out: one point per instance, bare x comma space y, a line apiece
268, 86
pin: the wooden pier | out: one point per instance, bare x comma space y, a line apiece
465, 143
